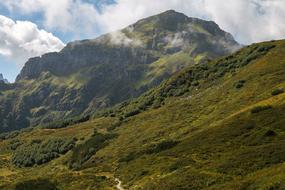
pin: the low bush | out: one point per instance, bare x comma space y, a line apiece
14, 144
131, 156
83, 152
66, 123
270, 133
155, 148
249, 126
177, 165
114, 126
38, 184
258, 109
132, 113
240, 84
164, 145
277, 92
9, 135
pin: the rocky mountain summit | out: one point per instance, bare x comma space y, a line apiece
141, 43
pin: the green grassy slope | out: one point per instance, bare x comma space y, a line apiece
216, 126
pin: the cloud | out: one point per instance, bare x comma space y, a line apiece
248, 20
175, 40
66, 16
21, 40
120, 38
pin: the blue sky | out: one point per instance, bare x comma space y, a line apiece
8, 67
31, 28
37, 17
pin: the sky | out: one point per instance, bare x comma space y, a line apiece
30, 28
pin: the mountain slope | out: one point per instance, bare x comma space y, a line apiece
93, 74
214, 126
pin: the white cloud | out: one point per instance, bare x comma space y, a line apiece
175, 40
248, 20
73, 16
120, 38
21, 40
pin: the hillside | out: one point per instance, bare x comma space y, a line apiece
219, 125
93, 74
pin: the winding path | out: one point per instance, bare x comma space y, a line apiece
119, 184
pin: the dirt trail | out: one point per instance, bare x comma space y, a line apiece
119, 184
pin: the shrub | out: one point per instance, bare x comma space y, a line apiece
66, 123
250, 126
157, 103
164, 145
143, 173
177, 165
42, 184
195, 83
240, 84
114, 126
265, 48
56, 125
85, 151
270, 133
132, 113
14, 144
258, 109
9, 135
131, 156
277, 92
40, 152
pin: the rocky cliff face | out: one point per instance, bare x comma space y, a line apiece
92, 74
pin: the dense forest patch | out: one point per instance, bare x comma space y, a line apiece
39, 152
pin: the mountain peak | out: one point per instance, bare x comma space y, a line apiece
114, 67
2, 79
171, 12
166, 20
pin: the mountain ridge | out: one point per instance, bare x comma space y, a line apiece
168, 16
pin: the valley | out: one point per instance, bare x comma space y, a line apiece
190, 140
